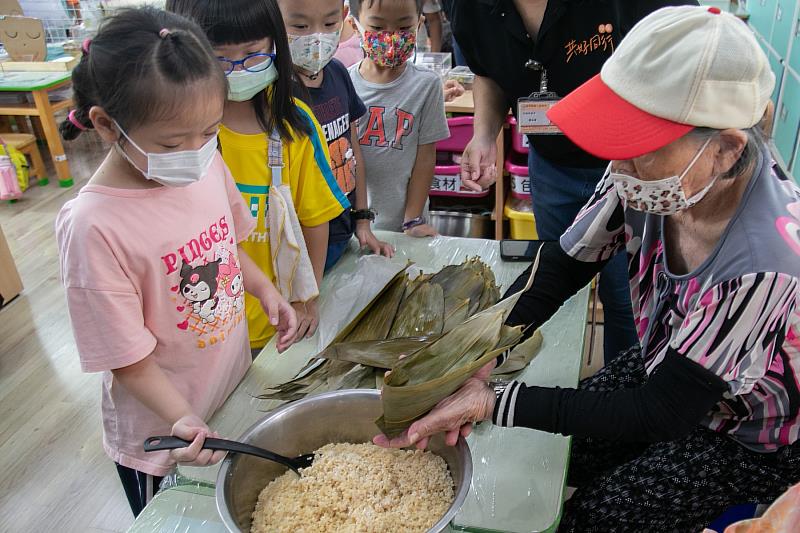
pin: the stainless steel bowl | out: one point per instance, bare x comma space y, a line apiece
458, 224
306, 425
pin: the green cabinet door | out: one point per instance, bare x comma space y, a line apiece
795, 167
762, 15
783, 26
787, 118
777, 68
794, 56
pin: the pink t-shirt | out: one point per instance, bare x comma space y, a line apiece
349, 51
156, 272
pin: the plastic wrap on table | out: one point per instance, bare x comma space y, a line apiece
518, 479
345, 291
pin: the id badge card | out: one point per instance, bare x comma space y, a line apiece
532, 114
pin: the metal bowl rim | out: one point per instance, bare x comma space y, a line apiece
461, 446
433, 213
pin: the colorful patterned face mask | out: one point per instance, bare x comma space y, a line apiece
388, 48
660, 197
312, 52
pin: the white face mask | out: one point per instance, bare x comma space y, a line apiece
174, 169
312, 52
660, 197
244, 85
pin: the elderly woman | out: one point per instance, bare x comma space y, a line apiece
705, 414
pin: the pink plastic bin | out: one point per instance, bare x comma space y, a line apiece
519, 142
447, 182
460, 134
520, 182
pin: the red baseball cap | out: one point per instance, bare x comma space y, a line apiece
608, 127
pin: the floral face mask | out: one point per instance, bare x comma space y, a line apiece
388, 48
660, 197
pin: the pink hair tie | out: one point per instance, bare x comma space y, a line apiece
74, 121
164, 33
85, 46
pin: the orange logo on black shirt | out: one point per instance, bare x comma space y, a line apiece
602, 40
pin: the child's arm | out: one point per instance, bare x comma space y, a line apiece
146, 382
363, 227
317, 244
418, 188
281, 314
435, 30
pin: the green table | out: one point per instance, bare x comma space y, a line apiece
519, 475
39, 84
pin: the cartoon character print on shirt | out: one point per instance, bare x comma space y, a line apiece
231, 278
199, 287
789, 227
208, 290
343, 164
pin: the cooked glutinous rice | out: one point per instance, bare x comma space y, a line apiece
358, 488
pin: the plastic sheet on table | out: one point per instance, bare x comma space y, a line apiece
519, 474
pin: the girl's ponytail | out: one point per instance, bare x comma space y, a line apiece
82, 88
139, 67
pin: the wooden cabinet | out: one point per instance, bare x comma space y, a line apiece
10, 282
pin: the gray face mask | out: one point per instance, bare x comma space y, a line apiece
174, 169
244, 85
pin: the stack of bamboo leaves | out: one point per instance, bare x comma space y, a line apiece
433, 332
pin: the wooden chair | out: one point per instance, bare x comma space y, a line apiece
26, 143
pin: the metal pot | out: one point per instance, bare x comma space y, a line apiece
458, 224
306, 425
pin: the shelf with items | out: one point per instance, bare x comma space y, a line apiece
462, 107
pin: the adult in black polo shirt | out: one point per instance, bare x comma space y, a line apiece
507, 43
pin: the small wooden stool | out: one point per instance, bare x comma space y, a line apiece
26, 143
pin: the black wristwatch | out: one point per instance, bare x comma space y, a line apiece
363, 214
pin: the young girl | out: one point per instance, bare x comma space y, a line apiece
250, 42
149, 253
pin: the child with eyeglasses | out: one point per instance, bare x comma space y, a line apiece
263, 129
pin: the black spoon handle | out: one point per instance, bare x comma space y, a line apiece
171, 443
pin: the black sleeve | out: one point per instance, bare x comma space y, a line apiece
558, 278
632, 11
668, 406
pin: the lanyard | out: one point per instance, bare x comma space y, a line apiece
275, 158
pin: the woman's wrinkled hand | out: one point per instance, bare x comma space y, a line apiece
453, 416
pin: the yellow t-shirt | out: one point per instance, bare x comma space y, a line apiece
317, 197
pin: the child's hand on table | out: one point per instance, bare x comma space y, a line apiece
281, 316
368, 239
422, 230
307, 319
193, 428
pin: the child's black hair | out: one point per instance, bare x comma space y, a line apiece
139, 66
356, 5
241, 21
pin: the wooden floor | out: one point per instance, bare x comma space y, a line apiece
54, 475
